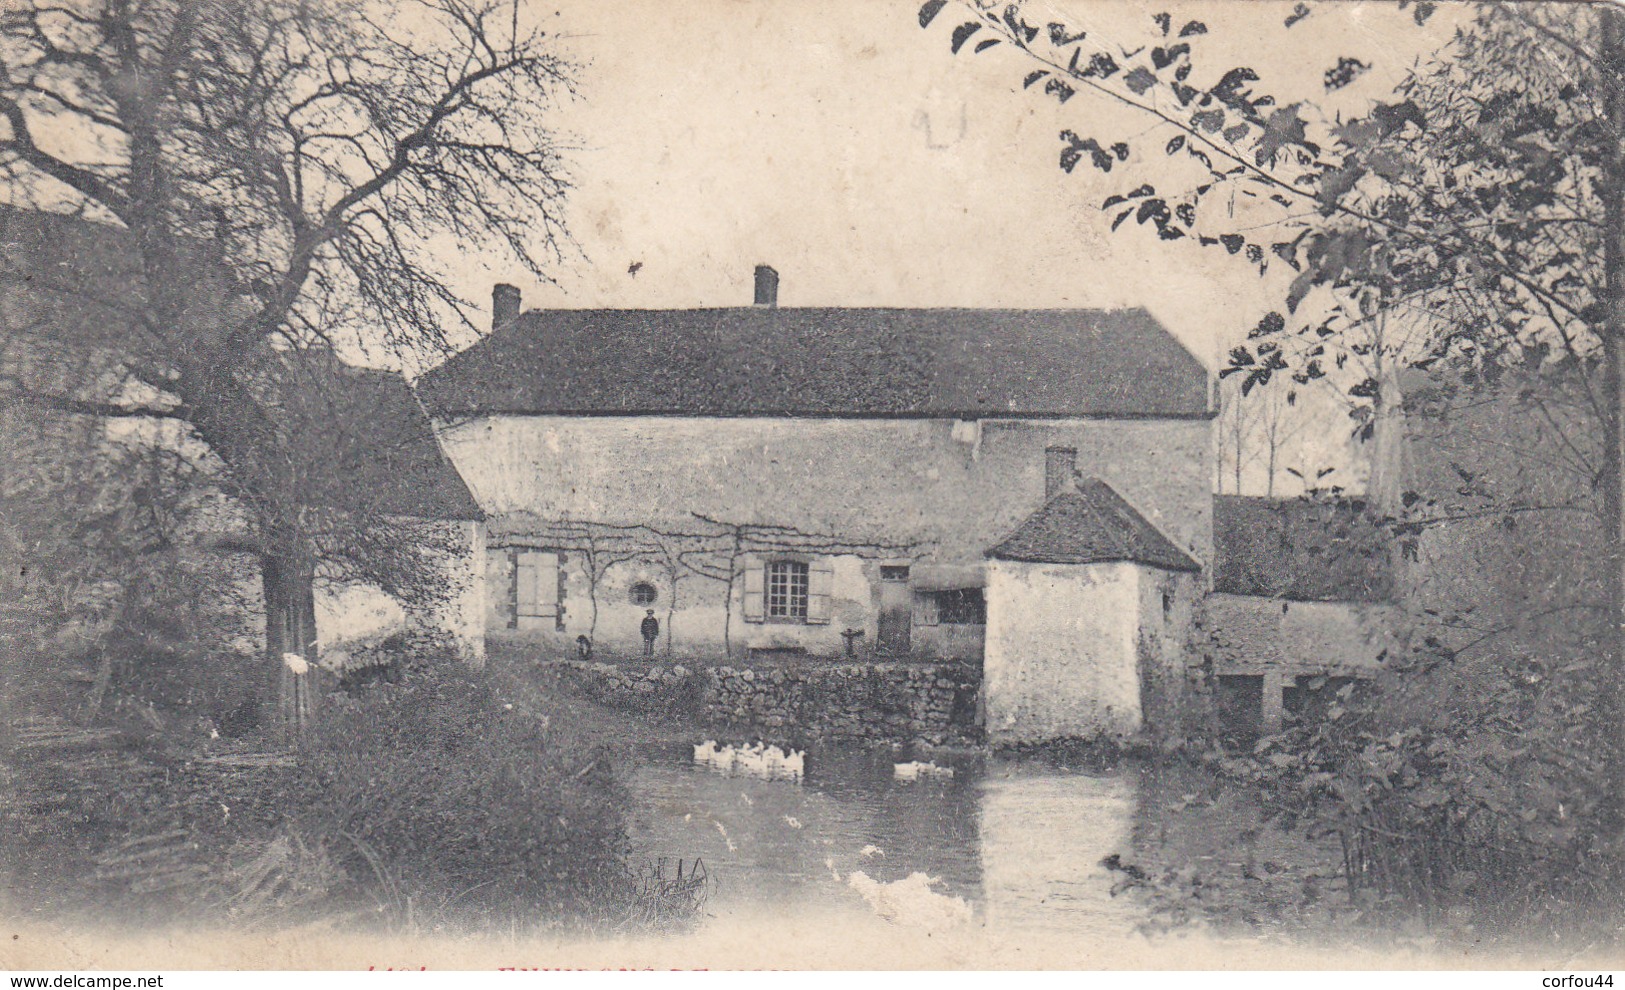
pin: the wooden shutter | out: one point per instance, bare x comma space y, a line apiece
751, 604
538, 581
500, 593
820, 587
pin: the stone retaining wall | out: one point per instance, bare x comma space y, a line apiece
915, 702
1244, 634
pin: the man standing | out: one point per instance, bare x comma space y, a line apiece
651, 632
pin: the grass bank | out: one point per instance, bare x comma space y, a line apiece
452, 802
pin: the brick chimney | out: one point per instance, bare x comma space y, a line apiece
1060, 470
767, 287
504, 304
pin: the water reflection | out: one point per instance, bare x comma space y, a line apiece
1043, 834
1020, 842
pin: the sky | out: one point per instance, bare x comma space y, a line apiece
851, 150
855, 153
848, 148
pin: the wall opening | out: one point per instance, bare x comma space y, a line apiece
1240, 703
960, 607
1311, 698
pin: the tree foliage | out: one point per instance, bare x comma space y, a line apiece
316, 147
1459, 222
1465, 206
1455, 789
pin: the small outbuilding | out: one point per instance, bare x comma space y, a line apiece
1088, 605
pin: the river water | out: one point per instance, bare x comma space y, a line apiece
1011, 847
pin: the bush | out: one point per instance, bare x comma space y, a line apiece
435, 794
1467, 790
424, 804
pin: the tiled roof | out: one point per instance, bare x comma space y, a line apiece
366, 445
1091, 524
960, 363
361, 439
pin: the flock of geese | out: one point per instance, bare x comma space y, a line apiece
774, 763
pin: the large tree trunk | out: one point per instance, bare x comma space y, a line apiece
288, 573
1384, 490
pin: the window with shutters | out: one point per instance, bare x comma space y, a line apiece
787, 586
787, 589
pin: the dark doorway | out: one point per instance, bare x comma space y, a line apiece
1240, 701
896, 612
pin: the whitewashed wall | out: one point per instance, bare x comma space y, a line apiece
961, 487
953, 487
703, 610
1062, 657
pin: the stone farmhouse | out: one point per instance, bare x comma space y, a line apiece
1030, 489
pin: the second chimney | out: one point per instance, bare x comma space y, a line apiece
1060, 470
504, 304
767, 287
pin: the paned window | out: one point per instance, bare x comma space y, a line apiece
787, 589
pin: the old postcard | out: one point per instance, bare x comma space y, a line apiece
742, 484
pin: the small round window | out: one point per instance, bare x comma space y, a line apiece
644, 593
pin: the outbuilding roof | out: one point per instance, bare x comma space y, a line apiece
1091, 524
360, 440
768, 361
364, 444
